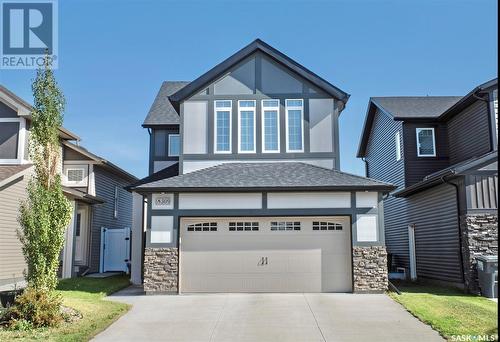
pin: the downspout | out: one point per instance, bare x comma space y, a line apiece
367, 174
460, 237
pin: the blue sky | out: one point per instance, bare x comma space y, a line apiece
113, 56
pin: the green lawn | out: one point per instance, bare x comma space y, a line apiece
449, 311
85, 295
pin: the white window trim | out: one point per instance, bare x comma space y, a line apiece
398, 145
277, 109
21, 138
240, 109
83, 182
168, 152
418, 130
301, 108
116, 202
223, 109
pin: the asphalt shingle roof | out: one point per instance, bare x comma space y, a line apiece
162, 112
416, 106
7, 171
264, 176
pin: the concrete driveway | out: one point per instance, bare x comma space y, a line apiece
265, 317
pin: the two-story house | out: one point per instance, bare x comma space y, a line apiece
245, 192
94, 186
441, 153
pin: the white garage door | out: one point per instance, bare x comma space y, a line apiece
276, 254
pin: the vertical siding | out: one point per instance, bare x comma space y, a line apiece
102, 215
463, 144
482, 192
11, 256
419, 167
435, 216
382, 165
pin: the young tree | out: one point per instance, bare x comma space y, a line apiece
46, 213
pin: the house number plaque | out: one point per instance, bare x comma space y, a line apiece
162, 201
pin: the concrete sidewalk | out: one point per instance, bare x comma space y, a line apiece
265, 317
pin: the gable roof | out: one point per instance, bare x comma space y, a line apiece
162, 112
258, 45
415, 107
439, 108
26, 112
8, 173
101, 161
277, 176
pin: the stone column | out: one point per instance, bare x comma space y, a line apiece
479, 237
369, 269
161, 270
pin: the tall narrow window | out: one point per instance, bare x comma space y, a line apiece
173, 145
294, 126
398, 146
426, 142
222, 128
270, 126
115, 211
246, 128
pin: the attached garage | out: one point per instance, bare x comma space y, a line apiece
265, 254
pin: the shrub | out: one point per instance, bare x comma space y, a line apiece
35, 308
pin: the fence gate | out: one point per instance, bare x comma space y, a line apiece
115, 249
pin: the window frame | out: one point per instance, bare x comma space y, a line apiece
83, 182
115, 202
287, 138
223, 109
240, 109
263, 124
169, 144
417, 131
21, 157
397, 139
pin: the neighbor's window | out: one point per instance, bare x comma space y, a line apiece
246, 127
115, 211
75, 175
173, 145
294, 126
270, 125
398, 146
426, 142
223, 126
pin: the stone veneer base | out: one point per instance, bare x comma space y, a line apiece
161, 270
369, 269
480, 237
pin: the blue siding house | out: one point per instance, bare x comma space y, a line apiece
442, 153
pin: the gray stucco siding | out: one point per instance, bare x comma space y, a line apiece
264, 211
103, 214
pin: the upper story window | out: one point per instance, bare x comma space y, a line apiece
426, 142
13, 140
75, 175
294, 125
398, 146
222, 128
174, 145
246, 127
270, 126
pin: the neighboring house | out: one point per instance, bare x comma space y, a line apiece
441, 152
94, 186
245, 192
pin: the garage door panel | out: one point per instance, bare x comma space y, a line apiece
264, 260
